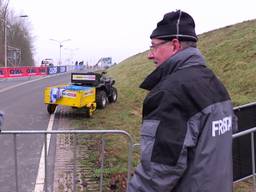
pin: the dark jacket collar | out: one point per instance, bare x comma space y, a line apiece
185, 58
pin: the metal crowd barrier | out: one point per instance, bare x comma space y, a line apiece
75, 132
235, 136
243, 133
131, 147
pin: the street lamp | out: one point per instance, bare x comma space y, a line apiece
5, 39
61, 45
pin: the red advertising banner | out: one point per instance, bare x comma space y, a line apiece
3, 72
11, 72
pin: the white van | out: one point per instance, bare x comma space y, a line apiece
47, 62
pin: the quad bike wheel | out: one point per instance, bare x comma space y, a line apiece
101, 99
113, 97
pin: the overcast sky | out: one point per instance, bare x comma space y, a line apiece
115, 28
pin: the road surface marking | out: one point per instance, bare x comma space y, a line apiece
39, 185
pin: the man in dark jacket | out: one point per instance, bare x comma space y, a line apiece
188, 119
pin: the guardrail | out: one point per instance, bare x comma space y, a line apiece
75, 132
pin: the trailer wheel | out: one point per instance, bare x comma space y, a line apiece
101, 99
51, 108
113, 97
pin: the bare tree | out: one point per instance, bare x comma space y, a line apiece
20, 39
4, 8
20, 42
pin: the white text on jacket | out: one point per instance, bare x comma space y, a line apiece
221, 126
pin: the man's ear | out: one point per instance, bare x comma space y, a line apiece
176, 46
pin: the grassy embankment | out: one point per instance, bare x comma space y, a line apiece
230, 52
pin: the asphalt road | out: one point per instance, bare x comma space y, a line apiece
21, 100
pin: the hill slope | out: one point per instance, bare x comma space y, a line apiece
231, 53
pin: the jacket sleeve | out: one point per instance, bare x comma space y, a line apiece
163, 152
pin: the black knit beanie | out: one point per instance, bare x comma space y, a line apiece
176, 24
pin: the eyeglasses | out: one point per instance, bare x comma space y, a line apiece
152, 47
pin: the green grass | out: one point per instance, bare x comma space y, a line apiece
230, 52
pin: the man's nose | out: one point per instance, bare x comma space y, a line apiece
150, 55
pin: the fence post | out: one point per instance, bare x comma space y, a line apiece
45, 162
16, 162
74, 171
102, 163
253, 158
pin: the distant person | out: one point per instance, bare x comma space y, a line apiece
81, 63
1, 120
188, 119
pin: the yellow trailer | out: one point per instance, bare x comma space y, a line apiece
70, 95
